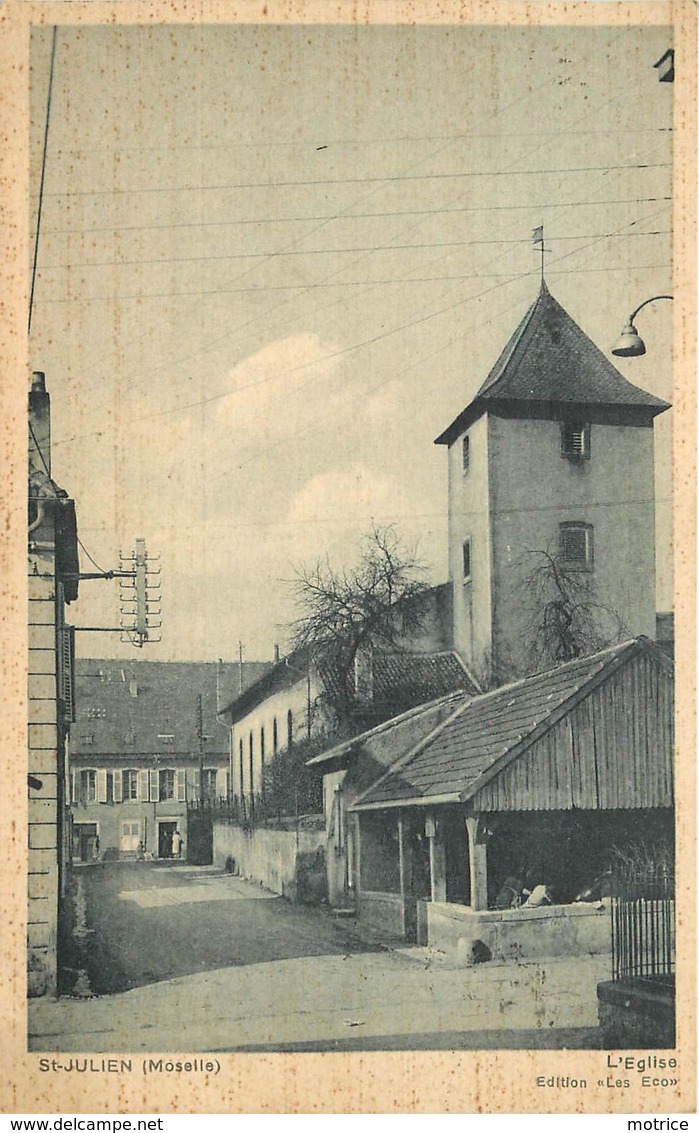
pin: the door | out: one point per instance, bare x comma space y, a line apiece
130, 837
165, 832
84, 841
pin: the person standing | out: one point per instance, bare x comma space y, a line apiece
177, 844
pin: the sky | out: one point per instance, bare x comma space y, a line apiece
276, 262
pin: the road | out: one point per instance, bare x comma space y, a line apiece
143, 922
169, 957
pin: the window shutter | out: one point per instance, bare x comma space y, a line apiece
143, 786
101, 786
73, 787
180, 786
118, 786
192, 780
154, 793
66, 671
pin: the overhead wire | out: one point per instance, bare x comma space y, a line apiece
389, 179
42, 181
264, 314
312, 252
311, 286
346, 216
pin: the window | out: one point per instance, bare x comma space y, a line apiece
465, 452
289, 729
93, 713
166, 785
209, 783
251, 762
576, 546
88, 787
466, 558
130, 738
275, 736
129, 785
166, 739
262, 743
88, 739
575, 440
110, 786
240, 767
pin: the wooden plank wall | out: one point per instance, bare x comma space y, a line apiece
613, 751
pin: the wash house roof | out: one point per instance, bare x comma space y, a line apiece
550, 363
593, 733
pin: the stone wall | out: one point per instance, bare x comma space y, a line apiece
512, 934
289, 862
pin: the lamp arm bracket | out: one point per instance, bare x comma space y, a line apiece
645, 303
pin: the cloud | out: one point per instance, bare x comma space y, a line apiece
272, 390
351, 497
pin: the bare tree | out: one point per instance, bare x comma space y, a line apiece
568, 618
343, 611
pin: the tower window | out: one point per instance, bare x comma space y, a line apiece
466, 558
465, 452
289, 730
576, 546
575, 440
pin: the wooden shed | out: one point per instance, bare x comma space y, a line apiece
546, 779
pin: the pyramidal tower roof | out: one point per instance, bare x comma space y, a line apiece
549, 364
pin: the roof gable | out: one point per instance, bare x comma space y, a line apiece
549, 361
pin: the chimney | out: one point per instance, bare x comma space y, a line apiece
364, 672
276, 654
40, 422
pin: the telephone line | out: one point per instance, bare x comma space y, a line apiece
350, 216
112, 151
333, 251
356, 180
326, 286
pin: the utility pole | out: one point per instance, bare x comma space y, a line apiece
200, 741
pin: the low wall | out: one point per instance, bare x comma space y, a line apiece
554, 930
288, 862
384, 911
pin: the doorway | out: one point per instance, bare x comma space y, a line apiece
165, 833
85, 841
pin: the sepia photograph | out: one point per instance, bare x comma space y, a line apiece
351, 621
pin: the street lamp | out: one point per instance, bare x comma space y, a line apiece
630, 344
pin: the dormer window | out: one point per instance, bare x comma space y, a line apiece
575, 440
465, 453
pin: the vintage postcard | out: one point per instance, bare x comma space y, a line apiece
355, 356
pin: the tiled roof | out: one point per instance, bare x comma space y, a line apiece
550, 360
452, 763
164, 705
415, 677
402, 679
425, 716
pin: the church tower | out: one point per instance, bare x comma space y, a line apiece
551, 502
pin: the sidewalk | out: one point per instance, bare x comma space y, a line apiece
400, 998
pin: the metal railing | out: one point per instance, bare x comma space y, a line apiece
643, 922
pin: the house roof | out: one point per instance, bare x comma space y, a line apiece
402, 679
487, 732
550, 362
129, 706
